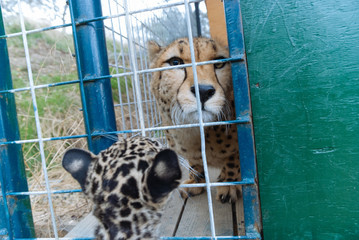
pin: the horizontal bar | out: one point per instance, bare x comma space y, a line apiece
218, 184
248, 236
121, 67
214, 184
98, 19
240, 58
36, 30
43, 192
119, 34
131, 103
243, 120
85, 238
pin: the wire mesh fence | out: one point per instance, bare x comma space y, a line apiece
52, 110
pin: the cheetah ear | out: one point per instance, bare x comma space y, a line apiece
77, 162
153, 49
164, 175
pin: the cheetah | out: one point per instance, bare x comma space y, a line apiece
128, 183
174, 92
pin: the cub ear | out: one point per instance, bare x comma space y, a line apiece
153, 49
77, 162
164, 175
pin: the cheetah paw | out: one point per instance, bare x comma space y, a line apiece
229, 193
189, 192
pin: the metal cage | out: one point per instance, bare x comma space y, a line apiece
113, 96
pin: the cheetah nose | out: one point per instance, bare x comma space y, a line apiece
205, 92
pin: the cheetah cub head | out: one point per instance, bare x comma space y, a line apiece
174, 89
128, 184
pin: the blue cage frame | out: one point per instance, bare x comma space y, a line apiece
99, 117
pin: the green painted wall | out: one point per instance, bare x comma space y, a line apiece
303, 60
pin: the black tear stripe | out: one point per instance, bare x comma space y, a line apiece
215, 74
213, 45
185, 78
197, 50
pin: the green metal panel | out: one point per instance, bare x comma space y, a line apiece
303, 60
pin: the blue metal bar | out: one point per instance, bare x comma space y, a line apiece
248, 236
92, 61
239, 121
252, 213
93, 78
43, 192
15, 212
88, 20
215, 184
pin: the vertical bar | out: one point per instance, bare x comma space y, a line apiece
15, 212
125, 69
142, 56
37, 119
200, 119
252, 214
133, 61
144, 40
92, 61
116, 67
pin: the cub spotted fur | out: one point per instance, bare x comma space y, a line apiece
175, 96
128, 184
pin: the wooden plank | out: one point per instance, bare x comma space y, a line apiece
194, 221
239, 222
84, 229
171, 215
195, 218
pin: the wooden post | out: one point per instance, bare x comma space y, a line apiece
217, 21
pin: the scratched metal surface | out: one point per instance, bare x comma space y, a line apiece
303, 59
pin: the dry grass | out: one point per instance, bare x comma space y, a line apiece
51, 62
59, 107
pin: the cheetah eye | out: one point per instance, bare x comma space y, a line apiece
175, 61
219, 65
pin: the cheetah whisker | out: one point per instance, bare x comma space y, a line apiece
176, 112
184, 163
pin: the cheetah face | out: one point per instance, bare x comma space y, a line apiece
174, 89
128, 184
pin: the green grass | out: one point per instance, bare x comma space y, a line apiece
58, 107
53, 105
62, 42
114, 85
52, 61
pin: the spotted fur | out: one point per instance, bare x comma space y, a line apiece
128, 184
175, 96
